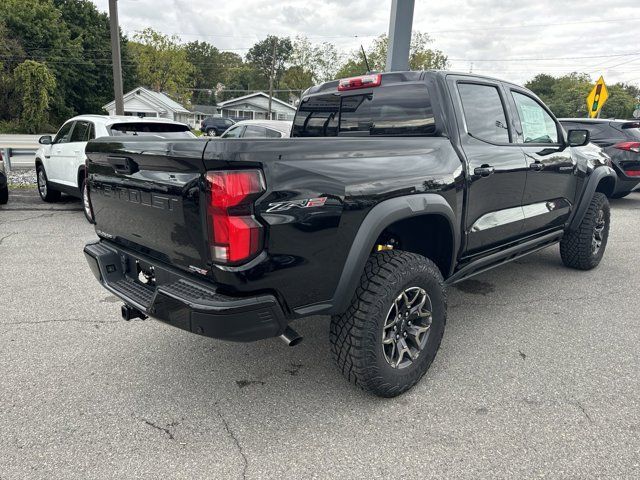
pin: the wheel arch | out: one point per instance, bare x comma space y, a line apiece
601, 180
80, 175
399, 215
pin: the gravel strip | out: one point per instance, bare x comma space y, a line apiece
22, 178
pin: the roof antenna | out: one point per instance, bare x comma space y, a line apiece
366, 62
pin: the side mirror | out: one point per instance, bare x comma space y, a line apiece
45, 140
578, 138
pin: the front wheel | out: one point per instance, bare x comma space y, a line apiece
47, 193
4, 195
212, 132
387, 339
583, 249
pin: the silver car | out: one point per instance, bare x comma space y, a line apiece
259, 129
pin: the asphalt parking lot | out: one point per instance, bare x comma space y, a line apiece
538, 376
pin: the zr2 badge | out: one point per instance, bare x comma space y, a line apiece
304, 203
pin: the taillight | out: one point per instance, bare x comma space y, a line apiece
365, 81
632, 173
628, 146
235, 234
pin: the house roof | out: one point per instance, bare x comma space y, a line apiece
155, 99
253, 95
206, 109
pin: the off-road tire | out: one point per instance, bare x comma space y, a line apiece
49, 194
576, 248
4, 195
356, 335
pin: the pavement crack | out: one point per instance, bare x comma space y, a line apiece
7, 236
522, 354
579, 405
235, 439
165, 430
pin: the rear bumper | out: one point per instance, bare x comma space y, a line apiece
180, 301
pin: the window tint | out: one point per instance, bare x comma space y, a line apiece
64, 134
92, 131
253, 131
397, 110
537, 124
484, 112
317, 117
80, 132
234, 132
273, 133
149, 129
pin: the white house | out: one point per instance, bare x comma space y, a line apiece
255, 107
142, 102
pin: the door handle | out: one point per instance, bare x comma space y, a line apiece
537, 166
123, 165
484, 171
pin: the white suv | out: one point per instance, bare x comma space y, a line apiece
60, 161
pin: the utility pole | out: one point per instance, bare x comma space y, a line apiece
400, 27
273, 69
115, 55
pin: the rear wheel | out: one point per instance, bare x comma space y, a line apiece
86, 203
47, 193
212, 132
391, 332
583, 249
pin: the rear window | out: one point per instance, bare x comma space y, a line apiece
632, 129
398, 110
148, 129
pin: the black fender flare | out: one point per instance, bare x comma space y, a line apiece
380, 217
588, 191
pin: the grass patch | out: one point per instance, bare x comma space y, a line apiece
20, 186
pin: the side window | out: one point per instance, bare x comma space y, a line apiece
228, 122
253, 131
484, 112
234, 132
80, 132
92, 132
273, 133
537, 124
64, 134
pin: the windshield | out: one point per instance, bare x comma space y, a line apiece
397, 110
149, 129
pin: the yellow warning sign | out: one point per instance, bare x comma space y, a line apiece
597, 98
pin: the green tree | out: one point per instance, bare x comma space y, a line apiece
34, 85
260, 57
208, 72
162, 64
90, 28
566, 95
319, 62
421, 57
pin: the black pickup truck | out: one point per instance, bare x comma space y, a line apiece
393, 187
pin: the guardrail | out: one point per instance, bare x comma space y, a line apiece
18, 146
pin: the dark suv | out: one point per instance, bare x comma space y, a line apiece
620, 139
4, 187
215, 126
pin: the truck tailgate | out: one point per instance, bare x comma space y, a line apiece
146, 194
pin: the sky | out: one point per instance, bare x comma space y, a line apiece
510, 39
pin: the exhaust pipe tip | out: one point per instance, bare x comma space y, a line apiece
291, 337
